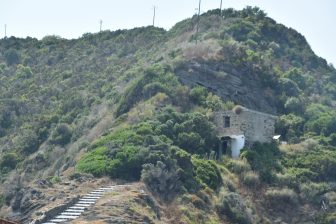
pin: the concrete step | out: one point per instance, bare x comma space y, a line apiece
74, 210
58, 220
77, 207
95, 194
88, 200
71, 213
83, 205
98, 190
67, 217
90, 197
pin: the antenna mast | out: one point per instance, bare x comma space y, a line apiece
5, 30
101, 23
198, 19
154, 15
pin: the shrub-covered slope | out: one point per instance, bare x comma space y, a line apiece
138, 104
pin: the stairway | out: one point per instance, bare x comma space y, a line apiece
84, 203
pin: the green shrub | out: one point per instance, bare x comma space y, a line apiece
27, 141
198, 95
191, 142
264, 158
186, 171
55, 179
320, 164
313, 191
2, 200
23, 72
326, 218
9, 161
233, 206
12, 57
62, 134
161, 180
95, 162
206, 172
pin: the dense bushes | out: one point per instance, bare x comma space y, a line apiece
318, 163
161, 180
8, 161
158, 143
264, 158
206, 172
153, 80
12, 57
27, 141
234, 207
62, 134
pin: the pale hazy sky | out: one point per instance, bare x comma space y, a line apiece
315, 19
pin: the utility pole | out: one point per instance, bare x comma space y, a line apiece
198, 19
101, 23
154, 15
220, 8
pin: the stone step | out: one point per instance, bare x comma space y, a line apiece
67, 217
83, 205
71, 213
88, 199
95, 194
86, 202
74, 210
77, 207
98, 190
58, 220
49, 223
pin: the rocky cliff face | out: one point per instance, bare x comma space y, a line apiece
229, 83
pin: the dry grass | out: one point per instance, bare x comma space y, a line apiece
205, 50
292, 149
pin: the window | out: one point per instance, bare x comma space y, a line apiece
226, 122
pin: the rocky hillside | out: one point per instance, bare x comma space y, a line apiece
138, 104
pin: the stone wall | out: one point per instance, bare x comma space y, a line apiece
254, 125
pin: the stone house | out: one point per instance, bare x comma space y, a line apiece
242, 127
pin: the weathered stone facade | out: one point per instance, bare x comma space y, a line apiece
254, 125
